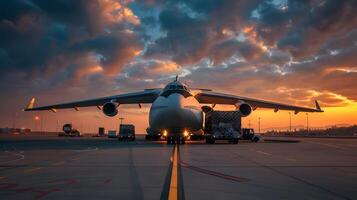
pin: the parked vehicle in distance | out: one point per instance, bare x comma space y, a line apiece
126, 132
68, 130
153, 134
112, 134
248, 134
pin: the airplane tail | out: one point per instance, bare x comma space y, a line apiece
318, 106
30, 104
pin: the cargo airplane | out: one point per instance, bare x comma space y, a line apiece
176, 109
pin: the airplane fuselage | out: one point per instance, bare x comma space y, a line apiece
176, 111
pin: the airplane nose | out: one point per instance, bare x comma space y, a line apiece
176, 101
175, 115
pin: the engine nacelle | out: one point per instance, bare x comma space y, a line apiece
244, 108
206, 109
110, 109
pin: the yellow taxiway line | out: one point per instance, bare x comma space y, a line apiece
173, 194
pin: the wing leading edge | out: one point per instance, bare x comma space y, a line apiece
208, 97
146, 96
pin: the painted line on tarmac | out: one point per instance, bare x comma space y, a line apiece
264, 153
270, 154
214, 173
173, 194
59, 163
328, 145
32, 169
21, 157
173, 185
87, 150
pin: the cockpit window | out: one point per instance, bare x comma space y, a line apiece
175, 87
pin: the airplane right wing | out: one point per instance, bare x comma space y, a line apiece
146, 96
209, 97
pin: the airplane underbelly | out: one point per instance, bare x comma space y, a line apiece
176, 113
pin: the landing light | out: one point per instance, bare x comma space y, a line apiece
165, 133
185, 133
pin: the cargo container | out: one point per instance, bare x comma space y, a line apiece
126, 132
223, 125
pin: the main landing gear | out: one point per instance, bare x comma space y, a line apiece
175, 139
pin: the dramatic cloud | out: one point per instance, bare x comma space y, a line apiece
284, 50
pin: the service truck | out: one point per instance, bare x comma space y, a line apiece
248, 134
126, 132
222, 125
68, 130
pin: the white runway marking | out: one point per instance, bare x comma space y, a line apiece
328, 145
87, 149
264, 153
20, 156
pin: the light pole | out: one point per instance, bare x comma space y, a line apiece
307, 122
36, 118
14, 120
41, 122
56, 125
121, 120
259, 125
290, 121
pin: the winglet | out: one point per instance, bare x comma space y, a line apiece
318, 106
31, 103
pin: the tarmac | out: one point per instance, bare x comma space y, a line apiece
50, 167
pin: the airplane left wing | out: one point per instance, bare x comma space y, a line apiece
209, 97
146, 96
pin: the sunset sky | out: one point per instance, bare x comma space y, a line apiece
291, 52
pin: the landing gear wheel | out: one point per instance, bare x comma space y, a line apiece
181, 140
210, 140
255, 139
170, 140
235, 141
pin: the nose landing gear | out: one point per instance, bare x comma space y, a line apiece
175, 139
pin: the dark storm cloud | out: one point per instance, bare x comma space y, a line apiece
320, 23
44, 36
194, 28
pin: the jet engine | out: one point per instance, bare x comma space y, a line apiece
110, 109
206, 109
244, 108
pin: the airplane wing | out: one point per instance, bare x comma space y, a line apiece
209, 97
146, 96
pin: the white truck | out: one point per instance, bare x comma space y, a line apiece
112, 134
223, 125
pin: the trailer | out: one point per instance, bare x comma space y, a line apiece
222, 125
